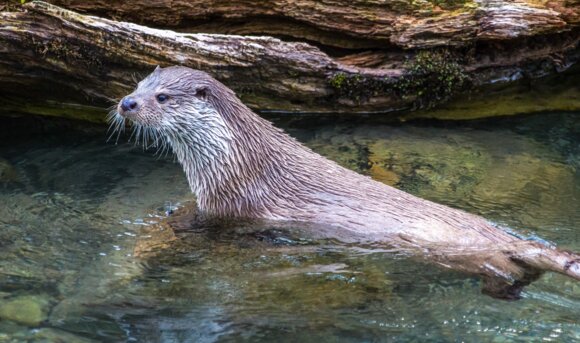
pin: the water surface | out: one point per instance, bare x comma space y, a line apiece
75, 210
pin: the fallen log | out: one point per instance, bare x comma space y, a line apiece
401, 23
72, 58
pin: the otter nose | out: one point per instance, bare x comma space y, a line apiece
128, 104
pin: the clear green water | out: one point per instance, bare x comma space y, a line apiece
73, 208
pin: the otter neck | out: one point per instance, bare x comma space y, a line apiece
243, 166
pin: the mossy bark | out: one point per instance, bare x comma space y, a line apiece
401, 23
383, 57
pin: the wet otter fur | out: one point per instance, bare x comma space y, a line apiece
240, 166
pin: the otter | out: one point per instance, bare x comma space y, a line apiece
239, 165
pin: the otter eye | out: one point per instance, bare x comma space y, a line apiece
161, 98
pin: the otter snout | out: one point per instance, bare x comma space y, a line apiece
127, 104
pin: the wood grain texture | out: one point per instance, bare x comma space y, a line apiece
90, 60
399, 22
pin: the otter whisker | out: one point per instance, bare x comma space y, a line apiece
155, 141
137, 77
144, 138
114, 100
134, 131
162, 145
139, 134
111, 114
112, 109
158, 139
111, 130
116, 125
120, 127
149, 140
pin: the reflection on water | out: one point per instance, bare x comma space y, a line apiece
74, 211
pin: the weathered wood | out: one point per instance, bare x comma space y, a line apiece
90, 60
408, 24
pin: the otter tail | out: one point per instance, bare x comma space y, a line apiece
543, 258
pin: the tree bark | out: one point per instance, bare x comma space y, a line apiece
93, 60
401, 23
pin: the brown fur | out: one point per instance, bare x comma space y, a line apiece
239, 165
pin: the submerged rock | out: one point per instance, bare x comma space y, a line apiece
30, 310
440, 167
7, 171
11, 332
54, 336
341, 148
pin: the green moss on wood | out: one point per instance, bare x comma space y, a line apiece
432, 77
359, 88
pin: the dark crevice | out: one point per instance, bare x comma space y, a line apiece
335, 44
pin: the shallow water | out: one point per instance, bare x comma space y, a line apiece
74, 210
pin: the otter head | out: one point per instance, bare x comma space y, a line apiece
180, 106
168, 95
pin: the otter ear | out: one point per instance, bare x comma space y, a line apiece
202, 92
